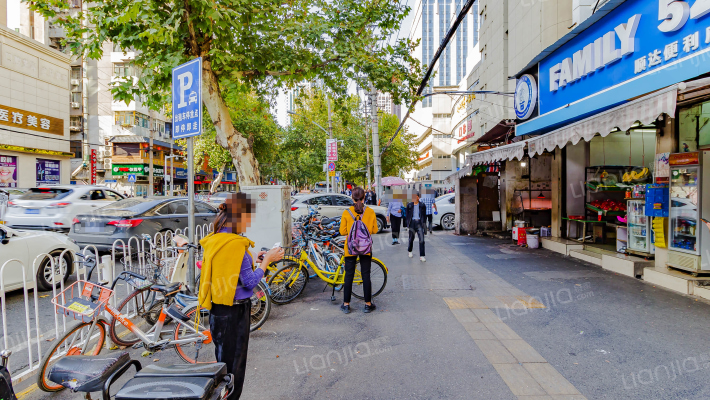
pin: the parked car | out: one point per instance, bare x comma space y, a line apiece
333, 205
25, 246
13, 193
218, 198
446, 208
135, 217
54, 207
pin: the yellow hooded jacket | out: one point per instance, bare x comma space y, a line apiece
221, 265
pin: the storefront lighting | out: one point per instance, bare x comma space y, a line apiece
540, 196
523, 164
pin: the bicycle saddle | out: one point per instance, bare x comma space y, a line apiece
326, 221
165, 289
87, 373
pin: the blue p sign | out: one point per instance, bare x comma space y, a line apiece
187, 99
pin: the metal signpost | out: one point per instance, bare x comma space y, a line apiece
132, 181
187, 122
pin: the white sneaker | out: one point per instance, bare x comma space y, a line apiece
410, 254
422, 259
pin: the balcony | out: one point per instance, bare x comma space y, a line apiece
119, 57
56, 31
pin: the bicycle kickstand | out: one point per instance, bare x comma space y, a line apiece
332, 296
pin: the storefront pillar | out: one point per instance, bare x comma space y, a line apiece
466, 205
666, 142
556, 191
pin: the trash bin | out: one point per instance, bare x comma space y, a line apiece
533, 238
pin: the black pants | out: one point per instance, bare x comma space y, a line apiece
365, 264
429, 222
395, 221
229, 326
417, 226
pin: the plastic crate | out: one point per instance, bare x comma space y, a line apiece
657, 197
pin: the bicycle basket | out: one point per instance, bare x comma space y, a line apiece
85, 301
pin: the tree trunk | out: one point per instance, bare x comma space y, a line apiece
217, 180
242, 155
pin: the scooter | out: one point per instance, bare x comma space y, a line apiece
90, 374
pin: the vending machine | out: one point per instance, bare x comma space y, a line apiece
689, 204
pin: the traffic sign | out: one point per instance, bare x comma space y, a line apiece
337, 178
131, 178
187, 99
331, 167
331, 173
331, 149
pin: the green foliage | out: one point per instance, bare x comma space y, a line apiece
252, 46
302, 150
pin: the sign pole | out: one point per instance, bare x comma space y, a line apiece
191, 213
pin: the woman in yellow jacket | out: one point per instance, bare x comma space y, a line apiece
346, 223
227, 281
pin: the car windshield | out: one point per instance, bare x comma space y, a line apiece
45, 194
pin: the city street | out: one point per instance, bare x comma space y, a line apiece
481, 319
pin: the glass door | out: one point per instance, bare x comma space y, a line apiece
638, 233
684, 209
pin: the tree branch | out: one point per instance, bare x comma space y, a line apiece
286, 73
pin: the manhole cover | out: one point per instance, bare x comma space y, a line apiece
434, 282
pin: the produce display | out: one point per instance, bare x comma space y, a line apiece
609, 205
636, 176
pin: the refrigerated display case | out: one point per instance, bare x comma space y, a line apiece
640, 235
684, 223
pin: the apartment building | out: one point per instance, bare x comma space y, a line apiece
385, 103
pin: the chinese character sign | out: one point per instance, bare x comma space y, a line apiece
331, 149
48, 172
93, 166
17, 118
187, 99
8, 171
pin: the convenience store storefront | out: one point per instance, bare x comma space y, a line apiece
612, 100
139, 188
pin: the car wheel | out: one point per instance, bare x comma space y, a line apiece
380, 224
448, 221
44, 272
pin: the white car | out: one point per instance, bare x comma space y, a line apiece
54, 207
25, 246
332, 205
446, 208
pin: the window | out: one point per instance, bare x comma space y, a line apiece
165, 210
319, 201
343, 201
112, 196
45, 194
122, 70
178, 207
201, 208
76, 147
76, 72
94, 195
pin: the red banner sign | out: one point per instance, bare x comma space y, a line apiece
93, 166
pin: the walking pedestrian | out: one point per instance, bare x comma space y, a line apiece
394, 217
416, 212
430, 203
226, 286
365, 214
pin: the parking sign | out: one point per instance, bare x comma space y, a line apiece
187, 99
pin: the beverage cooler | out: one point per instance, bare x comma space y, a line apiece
689, 203
640, 235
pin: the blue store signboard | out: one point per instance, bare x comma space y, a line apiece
47, 172
639, 47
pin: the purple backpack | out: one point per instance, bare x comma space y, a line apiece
359, 238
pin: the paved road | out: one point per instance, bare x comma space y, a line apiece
482, 319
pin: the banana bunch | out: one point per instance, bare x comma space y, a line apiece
633, 176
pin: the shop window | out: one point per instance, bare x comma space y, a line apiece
694, 127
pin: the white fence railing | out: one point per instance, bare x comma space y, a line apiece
35, 336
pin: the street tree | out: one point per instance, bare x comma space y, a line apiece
247, 46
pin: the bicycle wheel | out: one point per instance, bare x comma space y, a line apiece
137, 309
288, 282
195, 352
71, 345
378, 277
260, 306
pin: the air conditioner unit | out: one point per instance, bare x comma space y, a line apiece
107, 163
106, 153
75, 82
75, 128
75, 104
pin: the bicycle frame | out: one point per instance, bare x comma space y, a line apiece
154, 339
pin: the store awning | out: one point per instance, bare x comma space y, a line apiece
498, 132
507, 152
645, 110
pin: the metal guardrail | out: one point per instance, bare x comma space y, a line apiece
37, 333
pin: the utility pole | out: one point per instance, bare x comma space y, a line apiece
150, 150
367, 151
376, 142
331, 181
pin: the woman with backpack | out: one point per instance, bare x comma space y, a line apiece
358, 223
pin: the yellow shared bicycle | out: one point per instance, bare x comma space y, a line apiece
291, 275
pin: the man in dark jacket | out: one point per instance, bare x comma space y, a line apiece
416, 213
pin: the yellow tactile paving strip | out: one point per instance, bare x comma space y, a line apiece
528, 375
